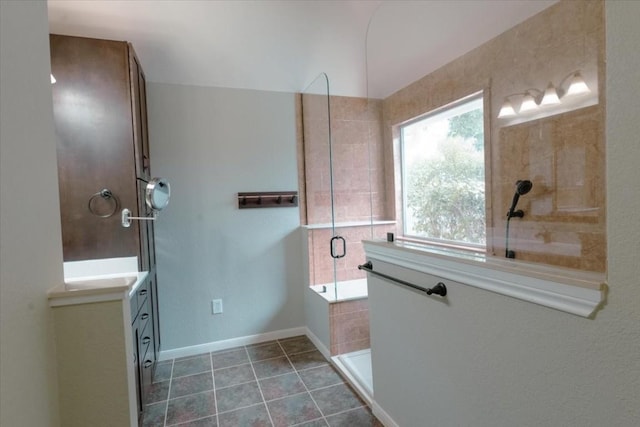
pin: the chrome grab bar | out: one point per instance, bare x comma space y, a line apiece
438, 289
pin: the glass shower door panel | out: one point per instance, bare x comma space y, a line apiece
316, 121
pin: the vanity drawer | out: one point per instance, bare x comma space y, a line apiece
147, 360
145, 337
139, 298
144, 316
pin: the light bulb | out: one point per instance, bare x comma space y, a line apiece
528, 103
550, 96
578, 86
506, 110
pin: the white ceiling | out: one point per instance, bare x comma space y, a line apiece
283, 45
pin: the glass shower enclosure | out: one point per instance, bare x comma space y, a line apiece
344, 187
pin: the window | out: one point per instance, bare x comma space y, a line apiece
443, 175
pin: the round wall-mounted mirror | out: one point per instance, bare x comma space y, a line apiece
157, 193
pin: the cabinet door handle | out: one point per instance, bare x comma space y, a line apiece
146, 340
148, 363
145, 316
142, 292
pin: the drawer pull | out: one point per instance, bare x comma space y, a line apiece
146, 340
144, 316
148, 363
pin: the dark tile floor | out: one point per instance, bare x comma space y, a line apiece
277, 383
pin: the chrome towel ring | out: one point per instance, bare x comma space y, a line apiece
105, 194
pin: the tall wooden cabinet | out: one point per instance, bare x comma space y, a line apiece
100, 112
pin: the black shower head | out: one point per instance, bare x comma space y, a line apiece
522, 188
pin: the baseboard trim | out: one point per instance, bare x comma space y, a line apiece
195, 350
381, 415
316, 341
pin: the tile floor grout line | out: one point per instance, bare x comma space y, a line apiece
191, 375
195, 373
215, 394
243, 407
305, 422
166, 409
193, 394
317, 367
342, 381
288, 395
349, 410
237, 384
307, 389
190, 421
284, 353
231, 366
264, 402
304, 385
323, 387
190, 394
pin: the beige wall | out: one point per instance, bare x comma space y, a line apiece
30, 242
92, 364
563, 154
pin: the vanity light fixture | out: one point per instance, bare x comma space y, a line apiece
530, 100
533, 99
53, 79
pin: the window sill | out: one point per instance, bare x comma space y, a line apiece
572, 291
347, 224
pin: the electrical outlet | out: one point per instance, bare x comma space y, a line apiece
216, 306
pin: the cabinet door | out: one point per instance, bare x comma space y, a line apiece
139, 106
156, 317
136, 366
92, 112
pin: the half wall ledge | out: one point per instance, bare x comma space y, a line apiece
572, 291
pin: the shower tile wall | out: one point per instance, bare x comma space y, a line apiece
349, 325
357, 156
564, 154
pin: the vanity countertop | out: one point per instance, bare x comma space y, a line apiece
97, 280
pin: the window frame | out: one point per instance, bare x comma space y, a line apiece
453, 244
